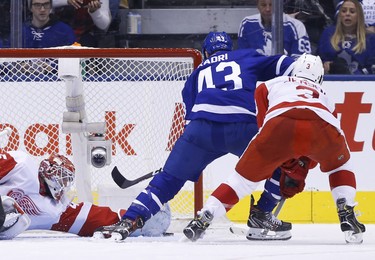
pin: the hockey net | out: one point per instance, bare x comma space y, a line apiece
136, 92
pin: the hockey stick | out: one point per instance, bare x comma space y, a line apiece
279, 207
124, 183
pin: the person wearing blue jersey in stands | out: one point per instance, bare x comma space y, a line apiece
349, 46
368, 7
44, 30
255, 32
220, 109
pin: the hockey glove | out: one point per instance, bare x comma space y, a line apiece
293, 175
16, 221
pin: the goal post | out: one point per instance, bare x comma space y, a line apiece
133, 94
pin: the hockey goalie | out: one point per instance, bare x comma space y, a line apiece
35, 197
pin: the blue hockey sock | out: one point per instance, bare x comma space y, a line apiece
162, 188
271, 193
266, 203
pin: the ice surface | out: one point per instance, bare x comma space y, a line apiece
309, 241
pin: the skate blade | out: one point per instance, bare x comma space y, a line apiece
103, 235
117, 237
264, 234
98, 235
239, 231
352, 238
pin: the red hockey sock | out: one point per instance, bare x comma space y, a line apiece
226, 195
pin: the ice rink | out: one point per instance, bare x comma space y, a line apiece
309, 241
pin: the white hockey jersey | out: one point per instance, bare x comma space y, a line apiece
281, 94
19, 180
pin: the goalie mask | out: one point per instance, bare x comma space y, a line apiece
57, 173
216, 41
309, 67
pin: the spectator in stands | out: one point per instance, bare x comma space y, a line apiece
4, 23
255, 32
315, 15
89, 18
368, 7
44, 30
114, 5
348, 47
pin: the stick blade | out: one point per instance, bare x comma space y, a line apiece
117, 177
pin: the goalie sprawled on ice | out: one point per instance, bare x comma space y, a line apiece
36, 198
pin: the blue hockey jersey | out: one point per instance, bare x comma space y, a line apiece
222, 88
358, 63
55, 33
252, 34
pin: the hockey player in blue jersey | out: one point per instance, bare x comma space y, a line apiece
255, 32
219, 101
44, 30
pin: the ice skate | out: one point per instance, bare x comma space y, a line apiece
119, 231
265, 226
348, 222
196, 228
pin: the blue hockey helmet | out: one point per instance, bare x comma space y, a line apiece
216, 41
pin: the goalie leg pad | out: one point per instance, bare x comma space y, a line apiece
265, 234
157, 225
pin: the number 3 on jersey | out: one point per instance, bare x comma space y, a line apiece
207, 76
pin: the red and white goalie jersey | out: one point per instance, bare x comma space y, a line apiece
281, 94
19, 180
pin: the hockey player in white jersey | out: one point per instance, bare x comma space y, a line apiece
308, 132
35, 197
219, 102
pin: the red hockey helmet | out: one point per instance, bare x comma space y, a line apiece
58, 173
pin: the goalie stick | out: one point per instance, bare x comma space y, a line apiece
124, 183
243, 231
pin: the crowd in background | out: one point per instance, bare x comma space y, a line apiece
340, 32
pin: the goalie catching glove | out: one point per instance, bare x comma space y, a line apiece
293, 175
15, 221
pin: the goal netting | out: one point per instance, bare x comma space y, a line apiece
134, 93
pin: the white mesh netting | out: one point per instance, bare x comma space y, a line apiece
138, 98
